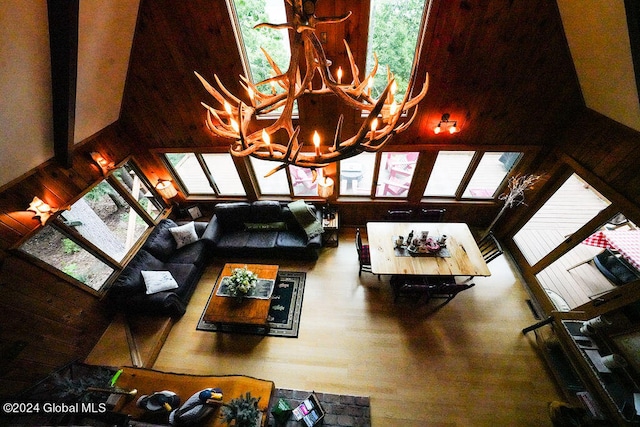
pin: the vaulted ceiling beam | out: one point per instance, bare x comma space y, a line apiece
63, 43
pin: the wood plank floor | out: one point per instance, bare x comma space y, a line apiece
467, 364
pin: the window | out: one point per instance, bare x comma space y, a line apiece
206, 174
304, 181
276, 184
356, 175
131, 180
571, 207
276, 42
490, 174
395, 174
91, 241
224, 174
64, 254
394, 27
106, 220
448, 171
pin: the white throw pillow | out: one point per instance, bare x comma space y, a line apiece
158, 281
184, 234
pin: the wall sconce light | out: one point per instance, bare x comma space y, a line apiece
453, 124
104, 165
166, 189
41, 210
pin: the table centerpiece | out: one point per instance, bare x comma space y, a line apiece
242, 283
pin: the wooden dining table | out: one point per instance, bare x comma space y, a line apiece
462, 256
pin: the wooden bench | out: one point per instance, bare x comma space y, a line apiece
147, 381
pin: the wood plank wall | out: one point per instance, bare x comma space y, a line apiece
47, 322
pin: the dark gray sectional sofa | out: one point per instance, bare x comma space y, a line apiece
160, 253
265, 229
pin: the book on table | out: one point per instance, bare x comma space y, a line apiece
310, 411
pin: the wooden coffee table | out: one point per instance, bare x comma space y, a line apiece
251, 312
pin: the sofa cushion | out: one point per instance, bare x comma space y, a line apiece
186, 275
233, 240
262, 239
266, 211
288, 239
130, 279
160, 242
184, 234
195, 253
232, 216
158, 281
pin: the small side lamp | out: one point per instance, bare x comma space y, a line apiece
166, 189
41, 210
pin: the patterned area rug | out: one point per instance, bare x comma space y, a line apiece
284, 312
340, 410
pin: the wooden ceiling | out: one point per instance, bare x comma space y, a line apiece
502, 68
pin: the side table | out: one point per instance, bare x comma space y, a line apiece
331, 231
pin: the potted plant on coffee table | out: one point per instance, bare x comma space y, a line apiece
242, 411
242, 282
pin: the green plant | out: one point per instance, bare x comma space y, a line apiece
72, 270
69, 246
242, 282
243, 410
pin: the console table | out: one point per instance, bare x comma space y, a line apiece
148, 381
573, 359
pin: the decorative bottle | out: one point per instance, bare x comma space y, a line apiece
410, 237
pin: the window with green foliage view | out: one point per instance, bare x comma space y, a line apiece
276, 42
394, 27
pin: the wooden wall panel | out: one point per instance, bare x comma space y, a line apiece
57, 322
608, 149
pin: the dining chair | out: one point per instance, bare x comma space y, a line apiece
432, 215
416, 288
445, 287
400, 215
489, 247
364, 257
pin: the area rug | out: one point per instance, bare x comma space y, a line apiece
340, 410
284, 312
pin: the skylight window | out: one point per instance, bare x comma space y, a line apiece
249, 13
394, 27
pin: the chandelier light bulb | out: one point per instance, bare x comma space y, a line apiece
437, 129
316, 142
267, 140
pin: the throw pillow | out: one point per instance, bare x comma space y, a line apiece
158, 281
184, 234
265, 226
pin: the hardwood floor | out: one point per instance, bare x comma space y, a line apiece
467, 364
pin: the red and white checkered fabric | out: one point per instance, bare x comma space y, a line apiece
627, 242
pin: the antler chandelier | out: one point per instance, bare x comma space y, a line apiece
234, 116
